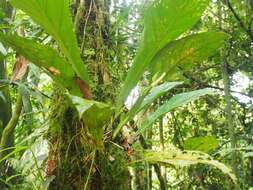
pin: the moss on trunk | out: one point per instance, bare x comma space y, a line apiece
72, 159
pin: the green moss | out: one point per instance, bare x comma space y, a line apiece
113, 170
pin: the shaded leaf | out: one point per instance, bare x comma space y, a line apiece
49, 179
95, 115
17, 149
186, 158
164, 21
184, 52
174, 102
204, 144
54, 17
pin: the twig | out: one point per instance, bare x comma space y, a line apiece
91, 166
85, 25
210, 86
242, 25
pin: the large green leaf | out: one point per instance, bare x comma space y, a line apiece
164, 21
184, 52
54, 17
46, 58
147, 98
174, 102
95, 115
203, 144
185, 158
156, 92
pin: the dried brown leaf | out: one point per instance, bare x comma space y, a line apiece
20, 68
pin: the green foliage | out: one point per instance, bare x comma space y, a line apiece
17, 149
181, 54
164, 52
46, 58
146, 99
164, 21
203, 144
185, 158
174, 102
156, 92
57, 22
95, 115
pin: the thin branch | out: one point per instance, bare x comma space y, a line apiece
241, 23
85, 26
214, 87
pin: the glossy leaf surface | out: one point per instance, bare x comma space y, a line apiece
164, 21
46, 58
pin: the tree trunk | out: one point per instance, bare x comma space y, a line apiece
5, 103
229, 115
74, 161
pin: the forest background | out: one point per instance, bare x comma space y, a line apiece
110, 94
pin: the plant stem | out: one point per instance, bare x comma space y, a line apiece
8, 130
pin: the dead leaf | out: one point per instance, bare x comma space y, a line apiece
84, 88
20, 68
52, 70
106, 76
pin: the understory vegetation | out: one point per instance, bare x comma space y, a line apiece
126, 95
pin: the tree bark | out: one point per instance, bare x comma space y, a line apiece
73, 160
229, 115
5, 102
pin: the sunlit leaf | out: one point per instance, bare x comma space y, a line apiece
203, 144
144, 100
225, 152
46, 58
185, 158
184, 52
157, 92
247, 154
174, 102
164, 21
54, 17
